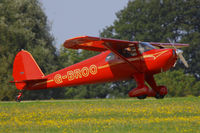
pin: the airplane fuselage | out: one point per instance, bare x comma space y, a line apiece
100, 69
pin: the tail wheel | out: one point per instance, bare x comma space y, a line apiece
19, 97
142, 97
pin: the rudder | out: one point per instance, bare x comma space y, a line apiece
25, 68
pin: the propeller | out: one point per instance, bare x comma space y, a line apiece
180, 55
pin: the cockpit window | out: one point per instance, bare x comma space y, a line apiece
145, 46
128, 51
110, 57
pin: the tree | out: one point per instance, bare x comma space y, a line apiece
158, 20
24, 25
178, 83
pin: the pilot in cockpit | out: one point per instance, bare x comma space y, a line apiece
129, 51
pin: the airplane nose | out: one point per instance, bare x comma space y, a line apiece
170, 59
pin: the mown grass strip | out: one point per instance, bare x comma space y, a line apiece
102, 115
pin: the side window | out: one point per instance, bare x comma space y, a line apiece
110, 57
141, 48
132, 51
129, 51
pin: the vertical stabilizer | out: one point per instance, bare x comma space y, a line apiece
25, 68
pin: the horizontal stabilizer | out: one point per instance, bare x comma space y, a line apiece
29, 81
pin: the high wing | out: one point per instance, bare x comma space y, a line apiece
96, 43
168, 45
101, 44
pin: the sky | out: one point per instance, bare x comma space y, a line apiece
72, 18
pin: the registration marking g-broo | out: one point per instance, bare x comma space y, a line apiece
76, 74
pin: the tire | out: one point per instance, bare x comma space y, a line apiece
142, 97
158, 96
18, 99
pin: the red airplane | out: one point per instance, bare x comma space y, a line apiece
118, 60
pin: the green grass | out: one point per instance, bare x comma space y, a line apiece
107, 116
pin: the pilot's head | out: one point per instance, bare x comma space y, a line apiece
128, 49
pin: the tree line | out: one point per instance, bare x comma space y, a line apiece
24, 25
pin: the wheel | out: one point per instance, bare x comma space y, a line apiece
18, 98
142, 97
158, 96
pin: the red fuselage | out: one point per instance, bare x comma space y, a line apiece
100, 68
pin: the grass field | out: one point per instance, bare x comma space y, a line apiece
106, 116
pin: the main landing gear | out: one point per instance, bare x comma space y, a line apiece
142, 91
162, 91
19, 97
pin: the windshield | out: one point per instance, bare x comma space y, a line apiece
145, 46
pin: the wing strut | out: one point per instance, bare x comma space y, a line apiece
107, 45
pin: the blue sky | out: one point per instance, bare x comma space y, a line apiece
71, 18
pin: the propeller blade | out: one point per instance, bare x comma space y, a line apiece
175, 64
179, 53
183, 60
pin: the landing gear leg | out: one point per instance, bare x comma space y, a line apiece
159, 91
19, 96
141, 90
